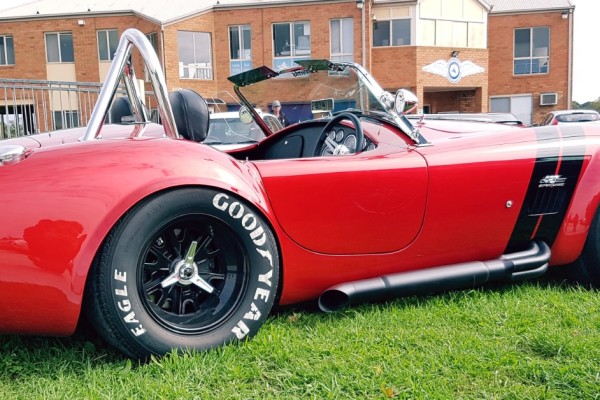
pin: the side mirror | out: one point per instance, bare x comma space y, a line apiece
245, 115
405, 101
321, 106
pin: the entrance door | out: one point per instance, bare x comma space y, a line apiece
520, 106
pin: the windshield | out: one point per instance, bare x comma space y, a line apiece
316, 89
227, 129
578, 117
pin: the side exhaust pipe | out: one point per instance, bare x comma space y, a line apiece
527, 264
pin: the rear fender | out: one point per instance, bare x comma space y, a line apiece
584, 204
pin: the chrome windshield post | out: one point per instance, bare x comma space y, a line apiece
121, 67
387, 102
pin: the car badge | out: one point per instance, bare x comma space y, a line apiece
550, 181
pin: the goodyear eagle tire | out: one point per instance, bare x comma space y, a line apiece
188, 269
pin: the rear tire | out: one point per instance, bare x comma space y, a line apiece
586, 269
188, 269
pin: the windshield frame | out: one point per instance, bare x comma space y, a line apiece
385, 99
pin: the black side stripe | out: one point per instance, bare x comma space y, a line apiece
570, 168
543, 210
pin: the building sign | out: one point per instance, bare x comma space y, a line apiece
453, 69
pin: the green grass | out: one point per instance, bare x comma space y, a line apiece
532, 341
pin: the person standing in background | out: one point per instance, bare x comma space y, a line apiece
276, 107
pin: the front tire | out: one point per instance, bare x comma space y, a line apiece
187, 269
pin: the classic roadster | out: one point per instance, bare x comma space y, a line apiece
166, 242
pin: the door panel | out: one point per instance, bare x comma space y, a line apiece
356, 204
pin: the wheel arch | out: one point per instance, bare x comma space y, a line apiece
576, 225
95, 247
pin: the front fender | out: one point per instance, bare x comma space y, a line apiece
61, 202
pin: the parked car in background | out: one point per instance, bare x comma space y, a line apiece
227, 131
500, 118
570, 116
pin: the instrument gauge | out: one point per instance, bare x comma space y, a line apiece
339, 135
350, 142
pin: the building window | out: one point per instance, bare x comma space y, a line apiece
342, 39
452, 23
7, 50
291, 42
108, 40
240, 49
59, 47
532, 51
195, 59
153, 39
66, 119
391, 33
391, 26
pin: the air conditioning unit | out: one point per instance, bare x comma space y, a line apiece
548, 99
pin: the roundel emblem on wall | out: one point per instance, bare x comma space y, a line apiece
454, 70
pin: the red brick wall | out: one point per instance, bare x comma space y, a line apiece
394, 67
401, 67
30, 47
502, 81
261, 20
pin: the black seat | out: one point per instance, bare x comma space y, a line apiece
119, 109
191, 114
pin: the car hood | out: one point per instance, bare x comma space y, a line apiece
445, 129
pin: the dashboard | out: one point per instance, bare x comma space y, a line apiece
307, 140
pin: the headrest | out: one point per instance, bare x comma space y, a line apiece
191, 114
119, 108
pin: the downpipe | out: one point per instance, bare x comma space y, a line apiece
526, 264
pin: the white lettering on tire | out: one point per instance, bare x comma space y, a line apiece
257, 234
124, 305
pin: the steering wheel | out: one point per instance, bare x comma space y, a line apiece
327, 145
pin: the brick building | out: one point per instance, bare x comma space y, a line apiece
456, 55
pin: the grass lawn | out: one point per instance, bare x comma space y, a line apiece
530, 341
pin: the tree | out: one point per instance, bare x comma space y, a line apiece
588, 105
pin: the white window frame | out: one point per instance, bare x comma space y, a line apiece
106, 36
341, 56
60, 57
531, 57
153, 39
68, 119
5, 55
289, 59
244, 62
202, 70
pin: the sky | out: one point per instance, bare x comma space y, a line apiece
586, 74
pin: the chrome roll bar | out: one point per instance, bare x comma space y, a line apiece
122, 67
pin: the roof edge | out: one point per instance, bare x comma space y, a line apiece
85, 14
532, 11
251, 4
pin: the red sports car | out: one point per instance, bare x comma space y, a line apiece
166, 242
